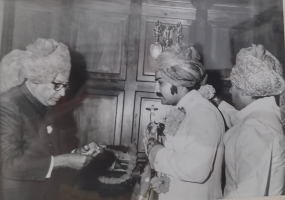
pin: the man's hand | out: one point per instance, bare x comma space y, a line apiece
92, 149
149, 145
72, 160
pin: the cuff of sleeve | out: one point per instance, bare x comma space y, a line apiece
153, 153
50, 168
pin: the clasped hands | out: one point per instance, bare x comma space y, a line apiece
150, 144
80, 157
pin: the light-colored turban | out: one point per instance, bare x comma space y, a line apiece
257, 73
180, 67
40, 63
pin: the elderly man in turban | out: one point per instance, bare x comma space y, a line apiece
255, 143
188, 163
31, 82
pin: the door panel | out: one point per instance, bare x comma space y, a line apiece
145, 100
32, 20
101, 38
147, 64
99, 117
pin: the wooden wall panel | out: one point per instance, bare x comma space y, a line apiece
239, 4
101, 37
230, 27
33, 20
104, 6
99, 118
224, 42
145, 100
146, 67
177, 9
1, 21
225, 10
116, 1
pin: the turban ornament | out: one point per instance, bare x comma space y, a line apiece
257, 73
180, 67
40, 63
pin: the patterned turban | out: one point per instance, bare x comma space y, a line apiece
40, 63
257, 75
180, 67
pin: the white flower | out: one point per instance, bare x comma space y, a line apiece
207, 91
49, 129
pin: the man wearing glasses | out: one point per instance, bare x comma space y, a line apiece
31, 82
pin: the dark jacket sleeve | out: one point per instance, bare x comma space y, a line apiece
17, 162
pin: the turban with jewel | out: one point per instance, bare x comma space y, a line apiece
180, 67
42, 61
257, 73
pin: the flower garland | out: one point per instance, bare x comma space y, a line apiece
131, 157
207, 91
161, 182
173, 120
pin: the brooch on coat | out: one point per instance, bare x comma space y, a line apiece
49, 129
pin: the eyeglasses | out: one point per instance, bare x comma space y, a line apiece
59, 86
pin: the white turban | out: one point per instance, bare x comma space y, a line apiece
40, 63
257, 73
180, 67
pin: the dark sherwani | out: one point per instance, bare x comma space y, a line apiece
26, 147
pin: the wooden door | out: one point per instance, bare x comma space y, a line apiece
98, 32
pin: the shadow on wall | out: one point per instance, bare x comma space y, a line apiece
78, 74
63, 111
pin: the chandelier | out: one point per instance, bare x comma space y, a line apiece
167, 37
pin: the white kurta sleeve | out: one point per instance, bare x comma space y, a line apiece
229, 113
198, 142
50, 168
253, 151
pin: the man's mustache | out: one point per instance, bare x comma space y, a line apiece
159, 94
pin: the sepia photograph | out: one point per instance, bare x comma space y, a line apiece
142, 99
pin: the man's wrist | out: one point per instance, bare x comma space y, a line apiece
60, 161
